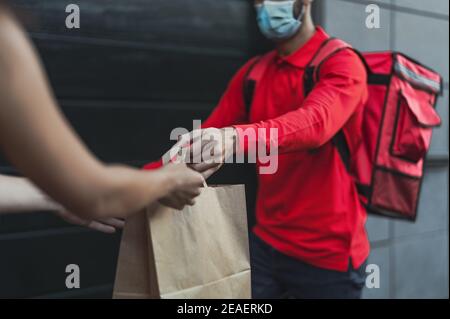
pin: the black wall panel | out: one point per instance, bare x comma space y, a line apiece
135, 70
37, 260
164, 50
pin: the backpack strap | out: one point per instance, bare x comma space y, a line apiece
328, 49
259, 66
254, 75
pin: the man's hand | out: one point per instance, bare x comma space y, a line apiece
107, 226
205, 150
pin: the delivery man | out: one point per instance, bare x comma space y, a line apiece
310, 239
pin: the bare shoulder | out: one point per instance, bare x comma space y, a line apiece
6, 19
11, 32
16, 53
8, 33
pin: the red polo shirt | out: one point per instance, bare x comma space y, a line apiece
309, 208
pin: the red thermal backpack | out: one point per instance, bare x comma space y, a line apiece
388, 164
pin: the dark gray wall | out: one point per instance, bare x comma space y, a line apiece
135, 70
413, 257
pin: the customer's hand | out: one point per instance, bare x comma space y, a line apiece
187, 184
108, 225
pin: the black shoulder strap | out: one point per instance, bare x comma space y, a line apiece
254, 75
249, 86
329, 48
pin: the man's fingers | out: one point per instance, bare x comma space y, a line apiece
173, 153
196, 151
195, 147
209, 151
195, 136
184, 141
185, 144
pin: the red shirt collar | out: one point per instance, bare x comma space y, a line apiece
305, 53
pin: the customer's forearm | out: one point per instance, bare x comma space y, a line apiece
18, 195
123, 191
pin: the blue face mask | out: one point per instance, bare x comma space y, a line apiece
276, 19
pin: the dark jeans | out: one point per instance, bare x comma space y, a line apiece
275, 275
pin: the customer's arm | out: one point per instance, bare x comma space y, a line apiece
19, 195
36, 138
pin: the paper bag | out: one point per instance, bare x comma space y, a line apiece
199, 252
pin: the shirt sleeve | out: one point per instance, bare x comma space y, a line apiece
153, 165
341, 88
